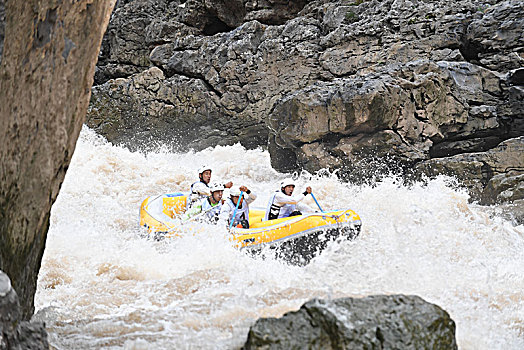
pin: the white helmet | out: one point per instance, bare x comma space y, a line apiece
234, 191
203, 168
287, 182
216, 187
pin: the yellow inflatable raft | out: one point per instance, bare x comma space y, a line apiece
306, 233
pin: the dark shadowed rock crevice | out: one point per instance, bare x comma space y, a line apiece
495, 40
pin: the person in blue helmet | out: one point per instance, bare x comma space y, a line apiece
282, 204
200, 189
241, 216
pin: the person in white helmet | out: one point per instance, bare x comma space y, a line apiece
200, 189
242, 213
209, 206
282, 204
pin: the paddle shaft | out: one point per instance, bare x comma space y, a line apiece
236, 208
191, 219
318, 205
199, 214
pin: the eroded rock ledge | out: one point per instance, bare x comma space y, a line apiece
373, 322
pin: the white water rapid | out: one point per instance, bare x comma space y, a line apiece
102, 286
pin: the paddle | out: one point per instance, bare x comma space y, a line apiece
312, 195
190, 219
236, 208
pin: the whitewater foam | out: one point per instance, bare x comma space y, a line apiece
102, 285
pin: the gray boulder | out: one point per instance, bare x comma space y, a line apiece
14, 333
373, 322
502, 188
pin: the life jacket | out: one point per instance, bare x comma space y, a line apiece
241, 214
212, 214
194, 196
274, 211
196, 182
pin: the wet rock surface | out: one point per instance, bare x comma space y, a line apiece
48, 63
373, 322
493, 177
2, 27
359, 87
14, 333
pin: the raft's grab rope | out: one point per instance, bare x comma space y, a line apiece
302, 217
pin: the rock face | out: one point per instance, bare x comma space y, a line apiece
349, 86
374, 322
147, 109
140, 26
411, 112
499, 170
14, 333
207, 51
46, 74
2, 25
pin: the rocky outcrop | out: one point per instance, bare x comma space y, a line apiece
424, 96
373, 322
410, 112
137, 27
488, 174
220, 87
47, 69
14, 333
349, 86
148, 109
493, 177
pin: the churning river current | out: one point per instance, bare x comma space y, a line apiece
103, 286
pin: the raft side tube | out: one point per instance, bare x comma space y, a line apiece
278, 230
157, 214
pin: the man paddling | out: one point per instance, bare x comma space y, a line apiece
200, 189
241, 215
209, 207
282, 204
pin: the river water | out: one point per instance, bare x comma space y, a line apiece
102, 286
